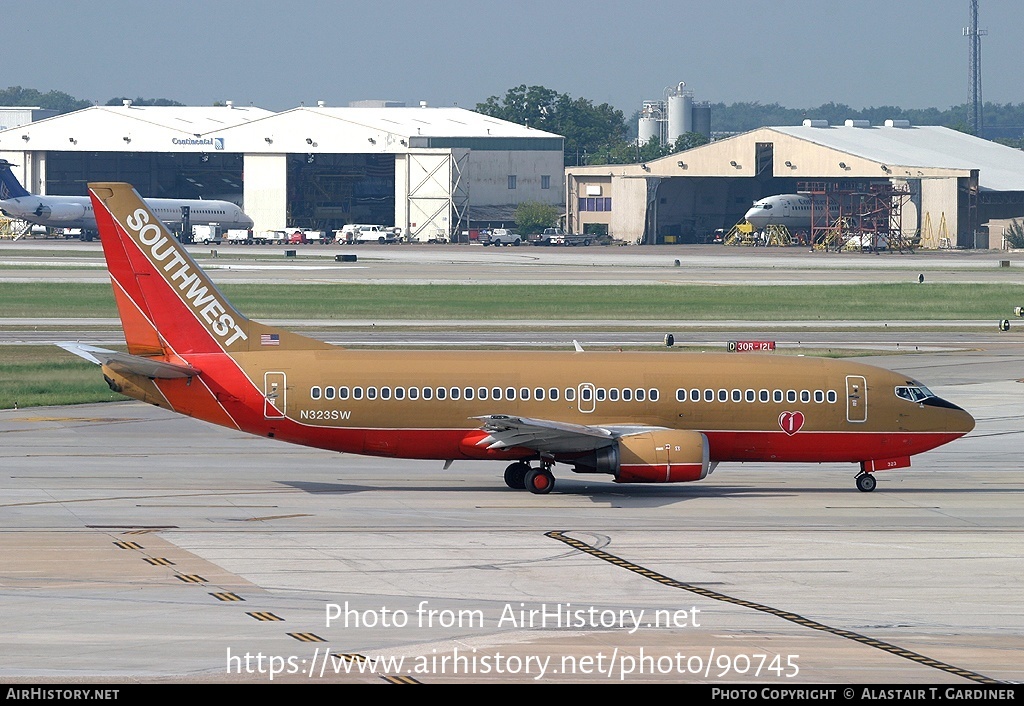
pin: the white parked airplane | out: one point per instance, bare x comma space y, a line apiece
791, 210
76, 211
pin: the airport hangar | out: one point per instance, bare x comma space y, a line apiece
431, 171
953, 183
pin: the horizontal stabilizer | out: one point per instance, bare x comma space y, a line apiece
133, 364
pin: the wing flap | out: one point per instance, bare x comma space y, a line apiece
544, 435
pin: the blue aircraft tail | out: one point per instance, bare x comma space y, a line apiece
10, 187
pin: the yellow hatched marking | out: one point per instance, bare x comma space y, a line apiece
265, 617
191, 578
306, 637
227, 597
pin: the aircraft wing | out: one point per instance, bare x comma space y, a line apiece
504, 431
125, 362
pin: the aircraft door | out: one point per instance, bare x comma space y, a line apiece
587, 397
275, 401
856, 399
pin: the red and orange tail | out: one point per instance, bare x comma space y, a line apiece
168, 306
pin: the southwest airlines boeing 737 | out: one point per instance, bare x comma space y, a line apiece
640, 417
77, 211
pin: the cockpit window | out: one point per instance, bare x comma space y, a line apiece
914, 394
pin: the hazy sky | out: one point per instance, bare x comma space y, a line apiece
278, 54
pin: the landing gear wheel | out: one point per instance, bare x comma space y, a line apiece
539, 481
865, 482
515, 475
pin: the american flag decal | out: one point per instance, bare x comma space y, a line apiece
270, 339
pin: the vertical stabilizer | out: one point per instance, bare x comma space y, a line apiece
166, 302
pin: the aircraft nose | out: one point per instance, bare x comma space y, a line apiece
960, 421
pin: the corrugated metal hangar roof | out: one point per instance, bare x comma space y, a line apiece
1001, 168
151, 128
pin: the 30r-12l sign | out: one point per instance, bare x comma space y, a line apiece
748, 346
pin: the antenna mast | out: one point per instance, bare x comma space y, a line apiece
974, 104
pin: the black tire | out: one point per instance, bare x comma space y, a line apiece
586, 243
539, 481
515, 475
516, 243
866, 482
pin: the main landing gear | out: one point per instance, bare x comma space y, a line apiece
865, 482
522, 476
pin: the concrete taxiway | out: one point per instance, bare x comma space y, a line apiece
136, 545
139, 545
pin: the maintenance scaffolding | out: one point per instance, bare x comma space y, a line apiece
861, 217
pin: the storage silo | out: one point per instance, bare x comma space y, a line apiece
680, 112
702, 118
652, 116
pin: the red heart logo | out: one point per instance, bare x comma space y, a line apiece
791, 422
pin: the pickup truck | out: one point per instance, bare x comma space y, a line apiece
553, 236
503, 236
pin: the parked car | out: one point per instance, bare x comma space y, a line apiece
503, 236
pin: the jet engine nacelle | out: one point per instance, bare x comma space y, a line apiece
664, 456
61, 212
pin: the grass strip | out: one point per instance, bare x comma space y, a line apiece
894, 302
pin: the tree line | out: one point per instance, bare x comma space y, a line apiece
602, 134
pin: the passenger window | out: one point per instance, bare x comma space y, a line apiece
467, 393
805, 396
428, 393
640, 395
524, 393
695, 395
585, 394
414, 393
819, 396
342, 393
613, 395
737, 395
385, 393
751, 395
510, 393
790, 395
329, 393
764, 396
680, 395
538, 393
314, 393
653, 395
371, 393
570, 394
357, 393
709, 395
454, 393
481, 393
495, 393
627, 394
553, 394
442, 393
399, 393
600, 394
831, 395
777, 396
